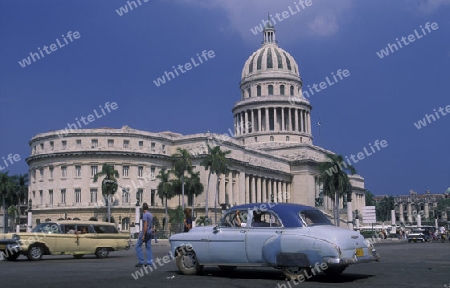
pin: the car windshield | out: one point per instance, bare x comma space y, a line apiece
46, 228
314, 217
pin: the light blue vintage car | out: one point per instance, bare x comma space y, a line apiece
294, 238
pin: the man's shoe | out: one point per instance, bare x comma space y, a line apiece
139, 265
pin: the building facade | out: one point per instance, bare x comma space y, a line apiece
272, 158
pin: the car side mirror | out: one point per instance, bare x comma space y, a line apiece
216, 228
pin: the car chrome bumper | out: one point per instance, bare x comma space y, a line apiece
354, 260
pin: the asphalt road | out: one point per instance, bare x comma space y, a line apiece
402, 265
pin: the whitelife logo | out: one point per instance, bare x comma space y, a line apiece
188, 66
35, 56
422, 123
411, 38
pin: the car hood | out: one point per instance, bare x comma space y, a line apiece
344, 238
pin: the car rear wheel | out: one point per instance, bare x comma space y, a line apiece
187, 263
102, 253
334, 271
13, 256
292, 272
35, 252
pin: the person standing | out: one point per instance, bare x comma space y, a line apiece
145, 237
187, 220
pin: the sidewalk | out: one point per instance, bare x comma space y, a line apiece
161, 243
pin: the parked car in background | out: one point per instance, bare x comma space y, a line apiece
422, 234
68, 237
289, 237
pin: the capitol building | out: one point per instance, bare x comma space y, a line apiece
272, 157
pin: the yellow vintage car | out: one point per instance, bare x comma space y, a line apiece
66, 237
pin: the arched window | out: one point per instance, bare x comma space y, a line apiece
258, 90
258, 62
287, 138
270, 89
250, 68
279, 60
288, 62
292, 90
269, 59
256, 139
281, 89
271, 138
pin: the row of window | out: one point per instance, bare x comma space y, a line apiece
94, 169
61, 199
270, 90
94, 144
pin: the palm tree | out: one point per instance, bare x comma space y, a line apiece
22, 187
7, 186
194, 187
181, 163
334, 177
165, 189
109, 184
217, 163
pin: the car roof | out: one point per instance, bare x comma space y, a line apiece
288, 212
79, 222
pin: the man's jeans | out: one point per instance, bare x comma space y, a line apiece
148, 249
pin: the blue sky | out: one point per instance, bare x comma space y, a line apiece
116, 58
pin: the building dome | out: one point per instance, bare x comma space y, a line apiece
269, 59
272, 110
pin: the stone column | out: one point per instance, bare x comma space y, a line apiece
280, 192
264, 190
309, 123
230, 188
426, 211
252, 121
269, 189
259, 120
253, 188
258, 189
241, 123
246, 122
296, 120
288, 191
409, 212
247, 189
267, 128
290, 119
275, 126
400, 211
221, 196
282, 119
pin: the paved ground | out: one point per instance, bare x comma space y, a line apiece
402, 265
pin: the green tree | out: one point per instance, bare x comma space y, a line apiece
383, 208
194, 187
217, 163
182, 163
176, 218
7, 187
370, 200
203, 220
165, 190
335, 180
109, 184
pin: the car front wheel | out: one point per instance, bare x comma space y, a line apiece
292, 273
334, 271
35, 252
187, 263
102, 253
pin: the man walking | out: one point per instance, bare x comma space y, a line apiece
145, 237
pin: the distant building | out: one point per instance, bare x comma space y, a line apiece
273, 156
407, 207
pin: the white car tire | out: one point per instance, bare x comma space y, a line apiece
187, 263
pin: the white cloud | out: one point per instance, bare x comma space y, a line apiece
323, 18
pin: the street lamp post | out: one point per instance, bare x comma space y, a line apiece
30, 215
